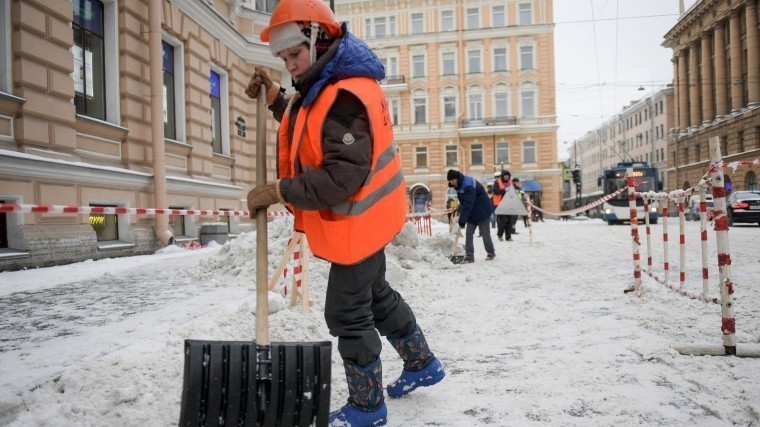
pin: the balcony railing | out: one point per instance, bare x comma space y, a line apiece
393, 80
489, 121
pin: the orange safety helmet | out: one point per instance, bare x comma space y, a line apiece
302, 11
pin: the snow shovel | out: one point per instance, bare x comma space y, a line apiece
243, 383
456, 259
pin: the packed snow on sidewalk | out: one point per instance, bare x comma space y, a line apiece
542, 335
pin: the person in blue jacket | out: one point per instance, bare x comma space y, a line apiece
476, 212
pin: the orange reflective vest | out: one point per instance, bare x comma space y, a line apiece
497, 197
350, 231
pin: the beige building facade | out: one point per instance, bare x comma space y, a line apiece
470, 86
637, 133
716, 67
81, 123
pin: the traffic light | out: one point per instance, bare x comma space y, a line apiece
576, 176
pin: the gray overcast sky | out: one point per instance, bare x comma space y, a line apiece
605, 50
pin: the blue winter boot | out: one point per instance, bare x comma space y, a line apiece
421, 367
366, 404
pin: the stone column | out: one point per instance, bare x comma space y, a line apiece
753, 54
721, 93
694, 108
708, 110
735, 50
683, 91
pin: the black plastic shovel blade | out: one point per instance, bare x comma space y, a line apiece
222, 386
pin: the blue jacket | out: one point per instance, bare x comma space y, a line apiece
476, 206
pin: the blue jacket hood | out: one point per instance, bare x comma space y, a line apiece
353, 59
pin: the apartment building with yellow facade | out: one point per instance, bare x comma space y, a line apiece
130, 103
471, 86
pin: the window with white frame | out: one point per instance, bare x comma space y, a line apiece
380, 28
219, 110
449, 108
528, 101
392, 25
419, 107
526, 57
451, 155
174, 84
420, 157
502, 152
475, 104
417, 24
498, 16
448, 62
525, 14
473, 61
500, 59
394, 110
501, 100
473, 18
418, 65
529, 151
391, 66
5, 46
368, 27
476, 154
447, 20
265, 5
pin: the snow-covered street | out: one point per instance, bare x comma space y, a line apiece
543, 335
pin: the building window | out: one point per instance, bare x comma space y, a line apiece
476, 154
394, 110
447, 20
525, 14
418, 66
106, 226
500, 59
5, 47
473, 18
475, 103
177, 222
502, 152
526, 57
420, 108
380, 27
473, 61
219, 111
391, 66
368, 27
448, 64
170, 105
529, 151
392, 25
420, 157
528, 102
266, 5
449, 108
89, 58
501, 101
417, 25
751, 181
498, 16
451, 155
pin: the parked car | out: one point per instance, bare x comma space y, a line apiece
692, 211
744, 206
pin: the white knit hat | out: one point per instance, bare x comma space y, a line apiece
285, 36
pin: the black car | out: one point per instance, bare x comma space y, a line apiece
744, 206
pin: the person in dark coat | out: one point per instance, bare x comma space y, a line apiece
476, 212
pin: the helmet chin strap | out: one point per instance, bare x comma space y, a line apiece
313, 41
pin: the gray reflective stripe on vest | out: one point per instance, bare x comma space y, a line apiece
386, 157
359, 207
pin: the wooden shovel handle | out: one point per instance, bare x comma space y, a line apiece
262, 249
